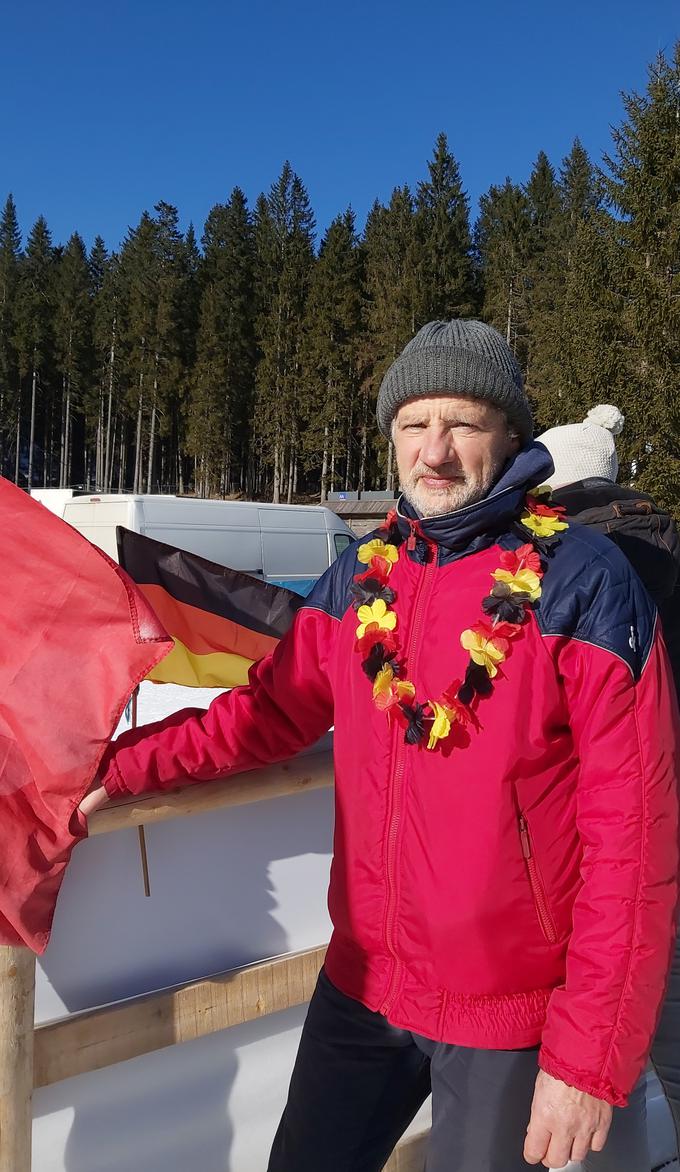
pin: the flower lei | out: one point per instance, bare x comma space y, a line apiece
517, 585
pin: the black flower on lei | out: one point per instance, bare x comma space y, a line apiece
476, 682
507, 605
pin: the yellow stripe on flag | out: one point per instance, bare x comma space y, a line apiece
218, 669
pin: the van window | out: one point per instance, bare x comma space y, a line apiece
342, 540
240, 549
289, 555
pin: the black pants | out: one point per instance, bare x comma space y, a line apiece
358, 1082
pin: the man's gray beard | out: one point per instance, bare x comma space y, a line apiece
452, 499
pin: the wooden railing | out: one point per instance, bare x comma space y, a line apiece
38, 1056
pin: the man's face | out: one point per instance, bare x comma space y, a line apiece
450, 451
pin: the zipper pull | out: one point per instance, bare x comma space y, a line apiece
411, 543
524, 837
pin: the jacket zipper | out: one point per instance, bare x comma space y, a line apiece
396, 790
536, 882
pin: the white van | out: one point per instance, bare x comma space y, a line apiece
289, 545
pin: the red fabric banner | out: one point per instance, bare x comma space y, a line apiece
76, 638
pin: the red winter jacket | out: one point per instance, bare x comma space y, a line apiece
518, 884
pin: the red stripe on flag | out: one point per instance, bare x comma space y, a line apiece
202, 631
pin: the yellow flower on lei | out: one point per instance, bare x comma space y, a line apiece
378, 613
382, 684
483, 651
377, 549
521, 582
441, 725
541, 525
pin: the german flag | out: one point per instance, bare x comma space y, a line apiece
221, 620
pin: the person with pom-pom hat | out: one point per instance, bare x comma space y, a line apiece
584, 483
585, 450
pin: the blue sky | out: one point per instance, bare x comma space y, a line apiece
108, 107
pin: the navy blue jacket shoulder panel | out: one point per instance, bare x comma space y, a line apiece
590, 592
331, 593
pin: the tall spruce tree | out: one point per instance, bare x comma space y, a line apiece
106, 328
10, 259
502, 244
393, 300
96, 263
545, 278
221, 411
284, 258
590, 364
443, 227
35, 340
580, 192
642, 184
73, 361
332, 328
556, 287
171, 267
139, 283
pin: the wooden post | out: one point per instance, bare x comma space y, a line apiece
17, 994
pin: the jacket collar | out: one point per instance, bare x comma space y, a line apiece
478, 525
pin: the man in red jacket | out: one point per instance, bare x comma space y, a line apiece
503, 887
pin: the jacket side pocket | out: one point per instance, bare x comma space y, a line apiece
543, 912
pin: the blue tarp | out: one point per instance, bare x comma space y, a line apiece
301, 586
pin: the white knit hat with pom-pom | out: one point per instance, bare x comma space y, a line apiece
581, 450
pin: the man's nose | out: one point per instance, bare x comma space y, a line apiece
437, 447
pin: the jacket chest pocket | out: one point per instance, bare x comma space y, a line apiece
543, 912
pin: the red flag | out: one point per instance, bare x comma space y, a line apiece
76, 637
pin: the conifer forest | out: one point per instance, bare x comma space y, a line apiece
243, 357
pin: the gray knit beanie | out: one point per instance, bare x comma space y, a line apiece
456, 357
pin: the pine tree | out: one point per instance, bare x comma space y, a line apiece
10, 259
393, 295
106, 329
220, 419
591, 361
580, 191
332, 327
139, 280
545, 277
555, 307
169, 338
643, 187
443, 226
34, 335
502, 244
96, 263
73, 360
285, 256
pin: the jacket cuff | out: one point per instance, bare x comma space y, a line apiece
582, 1080
113, 782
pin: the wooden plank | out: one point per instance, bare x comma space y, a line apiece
313, 771
102, 1037
17, 992
409, 1155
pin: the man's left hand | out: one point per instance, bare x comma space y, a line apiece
565, 1124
